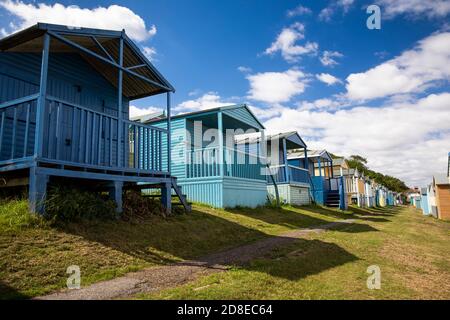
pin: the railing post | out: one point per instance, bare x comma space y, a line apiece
169, 134
40, 110
119, 104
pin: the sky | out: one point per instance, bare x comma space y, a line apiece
311, 66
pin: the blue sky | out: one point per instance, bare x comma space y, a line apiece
311, 66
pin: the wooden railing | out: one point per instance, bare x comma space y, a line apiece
203, 162
17, 128
79, 136
206, 162
296, 174
242, 165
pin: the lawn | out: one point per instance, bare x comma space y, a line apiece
412, 251
34, 255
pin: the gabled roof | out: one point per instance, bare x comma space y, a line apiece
291, 137
441, 179
228, 110
299, 154
140, 77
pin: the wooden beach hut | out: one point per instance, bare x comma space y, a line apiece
326, 189
291, 179
210, 165
64, 113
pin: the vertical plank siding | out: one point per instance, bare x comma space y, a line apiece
81, 123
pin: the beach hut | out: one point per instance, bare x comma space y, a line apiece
326, 189
441, 184
292, 181
211, 167
431, 198
64, 113
424, 201
369, 187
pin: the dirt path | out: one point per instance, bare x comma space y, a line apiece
158, 278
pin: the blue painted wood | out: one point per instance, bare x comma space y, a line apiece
40, 111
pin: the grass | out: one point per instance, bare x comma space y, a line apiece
411, 250
34, 255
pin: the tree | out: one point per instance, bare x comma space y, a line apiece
392, 183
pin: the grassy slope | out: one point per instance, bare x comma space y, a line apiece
411, 250
34, 256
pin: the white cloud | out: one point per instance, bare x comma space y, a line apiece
207, 101
413, 71
320, 104
135, 111
286, 43
328, 78
327, 58
114, 17
244, 69
149, 52
415, 8
298, 11
276, 87
409, 140
327, 13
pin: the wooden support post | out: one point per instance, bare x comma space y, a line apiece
40, 110
220, 138
116, 193
37, 191
166, 196
263, 153
169, 134
320, 166
286, 167
120, 106
306, 159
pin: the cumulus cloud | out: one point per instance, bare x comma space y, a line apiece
298, 11
149, 52
328, 78
413, 71
244, 69
415, 8
327, 58
340, 5
286, 43
136, 111
207, 101
408, 139
114, 17
276, 87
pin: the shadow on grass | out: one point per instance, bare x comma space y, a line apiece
198, 234
304, 258
9, 293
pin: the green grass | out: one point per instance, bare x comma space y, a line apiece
34, 255
411, 250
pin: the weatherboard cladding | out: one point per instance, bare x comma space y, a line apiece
70, 79
242, 114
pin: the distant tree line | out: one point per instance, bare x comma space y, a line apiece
392, 183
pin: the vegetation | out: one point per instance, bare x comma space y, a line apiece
411, 250
35, 254
392, 183
65, 204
